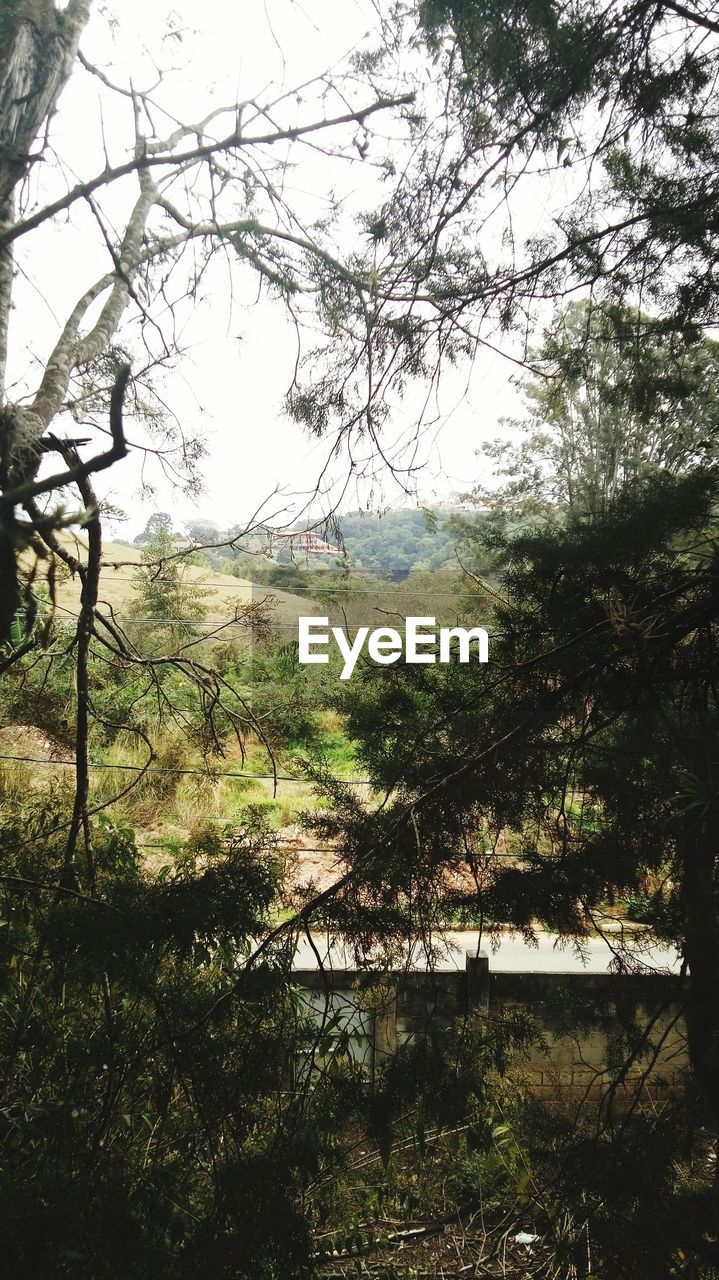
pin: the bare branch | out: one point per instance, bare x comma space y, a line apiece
232, 142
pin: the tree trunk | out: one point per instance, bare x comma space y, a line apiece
697, 847
38, 44
6, 282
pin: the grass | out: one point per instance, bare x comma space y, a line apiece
165, 806
163, 803
225, 591
331, 746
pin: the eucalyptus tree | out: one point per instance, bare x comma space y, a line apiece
603, 113
116, 1029
134, 209
613, 396
202, 185
125, 1019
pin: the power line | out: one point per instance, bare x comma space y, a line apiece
218, 625
162, 844
361, 574
488, 854
202, 773
295, 591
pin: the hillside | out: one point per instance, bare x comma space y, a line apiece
225, 591
398, 542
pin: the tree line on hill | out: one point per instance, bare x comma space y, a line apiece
389, 545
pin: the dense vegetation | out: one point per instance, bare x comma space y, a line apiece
398, 542
171, 1102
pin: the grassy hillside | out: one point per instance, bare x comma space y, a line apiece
225, 591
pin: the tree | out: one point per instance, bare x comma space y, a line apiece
586, 746
148, 1148
600, 116
166, 593
615, 103
134, 1014
157, 523
615, 397
162, 203
202, 531
155, 1002
205, 184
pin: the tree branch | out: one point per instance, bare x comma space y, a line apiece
74, 474
691, 15
231, 142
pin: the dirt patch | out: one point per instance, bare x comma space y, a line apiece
309, 863
28, 740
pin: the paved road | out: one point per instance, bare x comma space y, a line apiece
513, 955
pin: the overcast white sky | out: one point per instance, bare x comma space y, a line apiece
237, 359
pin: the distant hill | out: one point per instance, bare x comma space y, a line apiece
393, 544
389, 545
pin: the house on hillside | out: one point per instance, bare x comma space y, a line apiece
304, 541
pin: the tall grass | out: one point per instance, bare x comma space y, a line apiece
172, 802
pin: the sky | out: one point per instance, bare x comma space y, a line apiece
238, 353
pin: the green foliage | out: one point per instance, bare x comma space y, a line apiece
582, 626
282, 694
165, 594
661, 910
142, 1121
618, 396
393, 544
388, 545
627, 96
40, 691
157, 523
149, 1121
287, 576
585, 747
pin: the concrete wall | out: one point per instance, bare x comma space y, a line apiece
587, 1026
597, 1028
